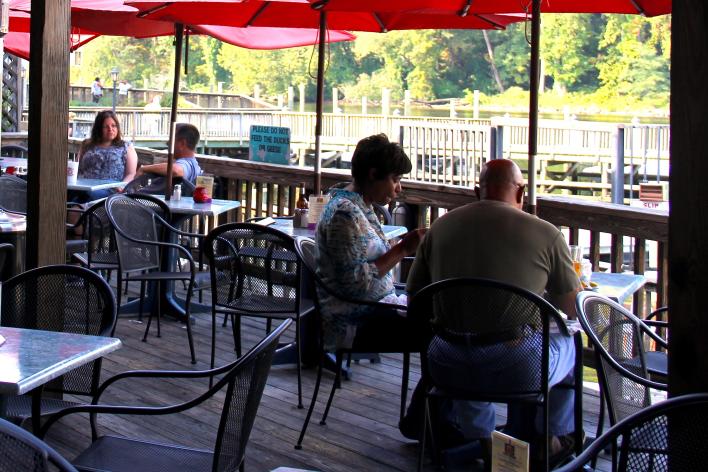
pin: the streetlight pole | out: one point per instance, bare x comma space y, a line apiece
114, 76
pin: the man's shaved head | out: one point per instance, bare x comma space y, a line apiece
501, 179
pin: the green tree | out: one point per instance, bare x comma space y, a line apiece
569, 50
634, 60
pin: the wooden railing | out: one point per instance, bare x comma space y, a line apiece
271, 190
577, 157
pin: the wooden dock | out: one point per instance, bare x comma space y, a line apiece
361, 431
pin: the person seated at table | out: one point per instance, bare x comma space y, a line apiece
495, 239
355, 259
105, 155
185, 165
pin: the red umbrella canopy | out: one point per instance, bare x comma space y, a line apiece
300, 14
114, 18
468, 7
18, 43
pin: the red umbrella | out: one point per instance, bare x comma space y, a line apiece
300, 14
470, 7
465, 8
18, 43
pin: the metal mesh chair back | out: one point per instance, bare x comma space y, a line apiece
617, 339
246, 382
155, 204
133, 221
479, 312
254, 269
20, 451
67, 299
7, 261
13, 194
669, 435
101, 241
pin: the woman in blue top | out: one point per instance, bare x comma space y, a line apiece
354, 257
106, 156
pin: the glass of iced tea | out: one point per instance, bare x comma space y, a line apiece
576, 255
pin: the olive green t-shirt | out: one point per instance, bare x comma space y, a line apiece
494, 240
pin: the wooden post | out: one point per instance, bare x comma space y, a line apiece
688, 226
47, 134
302, 97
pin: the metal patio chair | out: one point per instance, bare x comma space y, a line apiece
242, 384
255, 272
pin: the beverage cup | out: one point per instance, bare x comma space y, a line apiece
72, 171
576, 255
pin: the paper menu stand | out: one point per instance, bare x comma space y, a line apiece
206, 181
509, 454
317, 204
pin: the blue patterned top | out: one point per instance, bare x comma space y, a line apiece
104, 162
349, 240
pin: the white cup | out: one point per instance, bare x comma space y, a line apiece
72, 171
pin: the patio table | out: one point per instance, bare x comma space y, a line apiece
13, 230
89, 185
29, 358
618, 287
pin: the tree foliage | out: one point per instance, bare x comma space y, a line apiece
600, 55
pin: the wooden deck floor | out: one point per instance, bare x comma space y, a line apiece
361, 432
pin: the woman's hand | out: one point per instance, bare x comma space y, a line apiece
411, 240
408, 245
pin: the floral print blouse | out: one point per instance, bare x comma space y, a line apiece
349, 240
104, 162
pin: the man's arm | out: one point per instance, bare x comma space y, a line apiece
565, 303
161, 169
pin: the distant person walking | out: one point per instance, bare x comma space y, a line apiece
123, 88
97, 90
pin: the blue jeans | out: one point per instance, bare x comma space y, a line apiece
496, 367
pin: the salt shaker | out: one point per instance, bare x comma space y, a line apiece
177, 192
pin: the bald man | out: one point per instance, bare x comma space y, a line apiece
495, 239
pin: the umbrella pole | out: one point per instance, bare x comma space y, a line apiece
320, 100
533, 103
179, 31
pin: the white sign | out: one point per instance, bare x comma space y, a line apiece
509, 454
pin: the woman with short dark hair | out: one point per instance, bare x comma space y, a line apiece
354, 257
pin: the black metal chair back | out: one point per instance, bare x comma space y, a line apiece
153, 184
20, 451
255, 269
469, 311
7, 261
243, 381
137, 231
14, 150
480, 311
62, 298
13, 194
306, 250
618, 339
669, 435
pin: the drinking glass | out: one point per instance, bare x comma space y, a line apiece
576, 255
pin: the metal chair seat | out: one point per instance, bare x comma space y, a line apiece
129, 455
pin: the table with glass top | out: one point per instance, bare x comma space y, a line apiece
29, 358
